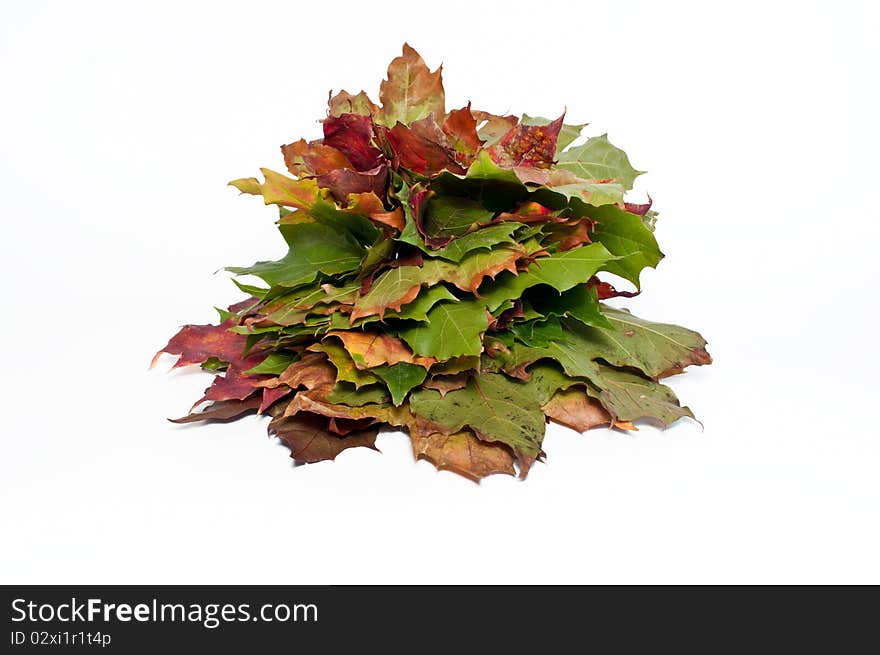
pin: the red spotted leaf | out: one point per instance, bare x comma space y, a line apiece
527, 146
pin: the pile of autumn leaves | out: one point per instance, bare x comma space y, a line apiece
441, 279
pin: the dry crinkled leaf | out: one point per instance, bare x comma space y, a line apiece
310, 439
574, 408
312, 371
223, 411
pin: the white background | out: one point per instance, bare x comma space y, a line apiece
120, 124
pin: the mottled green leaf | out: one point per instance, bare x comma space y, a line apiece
658, 349
495, 407
450, 216
628, 397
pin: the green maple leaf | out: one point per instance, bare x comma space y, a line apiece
274, 364
344, 393
401, 378
450, 216
597, 159
495, 188
625, 235
484, 238
657, 349
495, 407
579, 302
628, 397
453, 329
314, 249
562, 271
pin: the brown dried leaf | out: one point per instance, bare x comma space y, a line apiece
464, 454
311, 371
574, 409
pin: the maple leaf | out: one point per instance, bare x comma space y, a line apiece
463, 453
313, 159
411, 91
352, 135
562, 271
446, 383
400, 286
574, 408
313, 249
492, 127
310, 440
453, 329
597, 159
222, 412
401, 378
371, 349
628, 396
312, 371
343, 182
460, 128
195, 344
345, 103
278, 189
422, 147
527, 146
